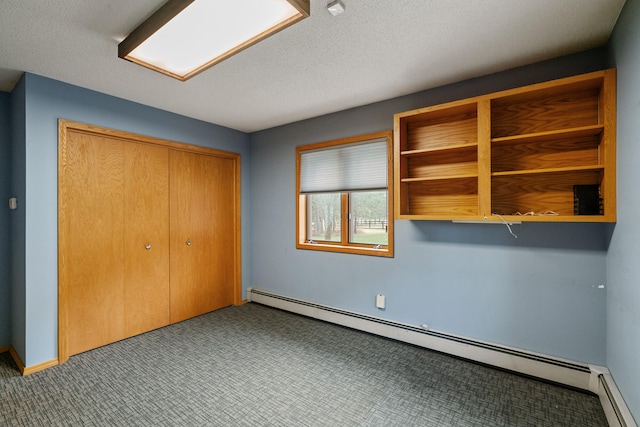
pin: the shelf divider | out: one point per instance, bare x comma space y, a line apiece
553, 134
549, 170
439, 178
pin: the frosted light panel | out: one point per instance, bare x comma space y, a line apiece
206, 30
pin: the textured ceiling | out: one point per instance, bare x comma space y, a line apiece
376, 50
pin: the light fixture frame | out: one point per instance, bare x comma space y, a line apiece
171, 9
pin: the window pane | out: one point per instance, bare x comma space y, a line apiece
323, 217
368, 213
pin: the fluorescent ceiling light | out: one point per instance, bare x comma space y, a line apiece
185, 37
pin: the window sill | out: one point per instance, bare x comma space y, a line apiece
385, 251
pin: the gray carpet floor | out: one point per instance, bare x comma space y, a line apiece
257, 366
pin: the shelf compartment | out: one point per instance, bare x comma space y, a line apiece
440, 129
456, 197
551, 191
443, 164
451, 149
551, 109
546, 153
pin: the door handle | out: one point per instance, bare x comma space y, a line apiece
188, 242
147, 246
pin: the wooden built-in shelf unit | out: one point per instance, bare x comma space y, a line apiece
515, 155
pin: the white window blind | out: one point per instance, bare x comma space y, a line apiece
350, 167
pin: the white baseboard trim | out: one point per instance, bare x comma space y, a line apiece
591, 378
613, 404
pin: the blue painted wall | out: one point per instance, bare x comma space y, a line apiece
47, 100
5, 228
623, 268
539, 292
17, 219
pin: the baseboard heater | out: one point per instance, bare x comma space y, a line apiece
592, 378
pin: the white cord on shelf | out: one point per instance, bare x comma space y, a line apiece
515, 236
532, 213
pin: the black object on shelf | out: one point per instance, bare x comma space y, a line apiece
587, 200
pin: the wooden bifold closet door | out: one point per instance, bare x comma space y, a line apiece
201, 221
146, 238
148, 234
95, 190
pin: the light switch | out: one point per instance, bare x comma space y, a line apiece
380, 301
13, 203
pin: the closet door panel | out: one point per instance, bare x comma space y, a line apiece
95, 267
202, 233
146, 237
224, 232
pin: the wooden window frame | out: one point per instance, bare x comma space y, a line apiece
344, 246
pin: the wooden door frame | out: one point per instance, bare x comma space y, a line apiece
67, 126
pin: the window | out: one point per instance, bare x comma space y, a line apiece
344, 195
